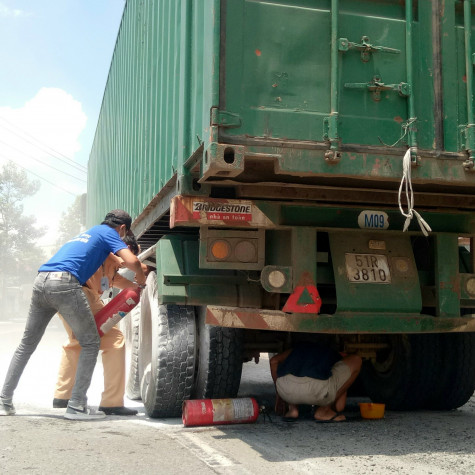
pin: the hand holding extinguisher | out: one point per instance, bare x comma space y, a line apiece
117, 309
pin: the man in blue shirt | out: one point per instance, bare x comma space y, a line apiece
58, 288
314, 374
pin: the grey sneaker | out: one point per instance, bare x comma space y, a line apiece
6, 407
83, 413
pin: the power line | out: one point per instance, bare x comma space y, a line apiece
43, 163
43, 145
78, 165
40, 177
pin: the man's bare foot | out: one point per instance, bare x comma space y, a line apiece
293, 412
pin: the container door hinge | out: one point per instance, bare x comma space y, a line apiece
467, 135
365, 47
376, 86
224, 119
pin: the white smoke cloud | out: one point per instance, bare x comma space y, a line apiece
43, 137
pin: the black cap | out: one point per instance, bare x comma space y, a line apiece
116, 217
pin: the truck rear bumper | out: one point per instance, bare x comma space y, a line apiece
275, 320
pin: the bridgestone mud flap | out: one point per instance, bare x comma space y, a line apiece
219, 360
130, 329
404, 376
168, 370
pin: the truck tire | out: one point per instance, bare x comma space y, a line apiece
130, 329
404, 376
169, 355
145, 325
456, 380
219, 360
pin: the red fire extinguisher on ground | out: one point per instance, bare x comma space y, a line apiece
116, 309
205, 412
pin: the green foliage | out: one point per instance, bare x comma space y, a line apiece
20, 257
70, 222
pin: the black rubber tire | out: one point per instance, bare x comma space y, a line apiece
167, 379
145, 325
406, 374
219, 360
130, 329
456, 380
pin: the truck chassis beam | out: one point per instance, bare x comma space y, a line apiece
257, 319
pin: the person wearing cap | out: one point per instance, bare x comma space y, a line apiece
112, 343
58, 288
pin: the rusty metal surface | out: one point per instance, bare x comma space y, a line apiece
199, 211
257, 319
347, 194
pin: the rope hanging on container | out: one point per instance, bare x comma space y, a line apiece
404, 129
406, 182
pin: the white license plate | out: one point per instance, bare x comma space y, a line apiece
367, 268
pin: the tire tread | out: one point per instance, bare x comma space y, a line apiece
174, 362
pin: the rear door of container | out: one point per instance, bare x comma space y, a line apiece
458, 45
277, 59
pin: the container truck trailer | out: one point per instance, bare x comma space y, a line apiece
296, 170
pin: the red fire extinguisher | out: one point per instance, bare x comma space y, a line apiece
205, 412
116, 309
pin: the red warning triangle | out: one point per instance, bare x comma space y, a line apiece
305, 297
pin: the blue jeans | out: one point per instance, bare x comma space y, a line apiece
57, 292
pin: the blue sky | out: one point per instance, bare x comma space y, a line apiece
55, 57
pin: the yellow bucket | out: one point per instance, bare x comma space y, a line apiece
371, 410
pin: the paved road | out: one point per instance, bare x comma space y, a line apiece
38, 440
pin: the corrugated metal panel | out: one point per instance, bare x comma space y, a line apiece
312, 92
281, 87
154, 105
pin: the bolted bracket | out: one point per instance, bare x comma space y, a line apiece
225, 119
467, 139
332, 156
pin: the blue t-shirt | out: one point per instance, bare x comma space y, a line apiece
311, 360
84, 254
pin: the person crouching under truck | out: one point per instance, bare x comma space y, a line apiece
314, 374
112, 343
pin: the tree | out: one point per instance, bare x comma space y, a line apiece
20, 256
70, 223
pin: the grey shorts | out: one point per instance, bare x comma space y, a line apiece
319, 392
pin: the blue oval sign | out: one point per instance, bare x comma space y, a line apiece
372, 219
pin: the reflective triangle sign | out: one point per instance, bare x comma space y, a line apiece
305, 297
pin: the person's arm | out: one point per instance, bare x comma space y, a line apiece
120, 282
275, 362
280, 406
132, 263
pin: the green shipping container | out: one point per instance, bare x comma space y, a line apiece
264, 150
288, 82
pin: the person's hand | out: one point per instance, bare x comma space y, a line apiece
140, 279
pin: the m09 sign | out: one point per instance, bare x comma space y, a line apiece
372, 219
367, 268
